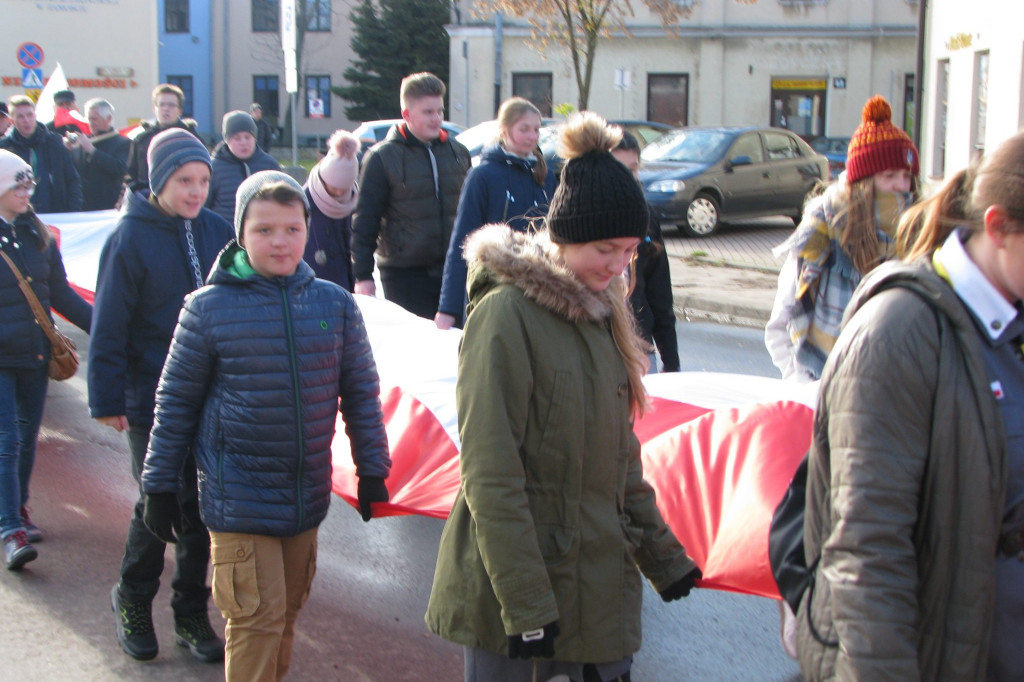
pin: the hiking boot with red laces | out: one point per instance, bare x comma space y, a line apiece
18, 551
31, 529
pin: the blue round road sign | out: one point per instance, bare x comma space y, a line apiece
30, 55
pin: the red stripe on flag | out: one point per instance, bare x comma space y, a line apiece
424, 462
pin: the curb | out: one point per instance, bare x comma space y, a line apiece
707, 260
698, 308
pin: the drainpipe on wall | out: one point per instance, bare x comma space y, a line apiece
922, 16
226, 73
497, 61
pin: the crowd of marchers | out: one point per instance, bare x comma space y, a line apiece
225, 338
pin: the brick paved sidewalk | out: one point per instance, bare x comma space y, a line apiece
747, 244
730, 277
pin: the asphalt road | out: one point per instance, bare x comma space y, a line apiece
364, 618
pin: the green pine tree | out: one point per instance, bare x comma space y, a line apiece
392, 39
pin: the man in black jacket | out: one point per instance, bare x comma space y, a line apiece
101, 158
264, 133
408, 193
168, 105
58, 187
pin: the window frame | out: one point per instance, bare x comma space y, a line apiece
325, 95
187, 84
317, 12
264, 15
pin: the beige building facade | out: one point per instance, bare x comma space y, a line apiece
248, 65
105, 49
804, 65
973, 83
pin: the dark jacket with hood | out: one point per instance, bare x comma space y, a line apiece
58, 187
553, 519
22, 342
906, 483
408, 194
137, 175
143, 276
501, 189
252, 385
651, 297
229, 172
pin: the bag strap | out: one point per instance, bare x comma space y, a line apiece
42, 319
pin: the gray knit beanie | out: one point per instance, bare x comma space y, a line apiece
597, 197
235, 122
169, 151
251, 186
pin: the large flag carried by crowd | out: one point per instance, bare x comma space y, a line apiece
719, 449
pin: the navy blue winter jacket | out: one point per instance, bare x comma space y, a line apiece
144, 275
252, 384
500, 190
23, 342
328, 250
58, 187
228, 173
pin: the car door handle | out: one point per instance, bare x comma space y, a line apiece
766, 175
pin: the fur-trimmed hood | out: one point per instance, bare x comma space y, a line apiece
497, 254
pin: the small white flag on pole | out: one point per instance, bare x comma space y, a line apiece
57, 82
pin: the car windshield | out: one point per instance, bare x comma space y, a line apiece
695, 146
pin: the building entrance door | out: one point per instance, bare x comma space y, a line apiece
798, 104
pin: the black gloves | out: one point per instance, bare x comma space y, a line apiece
538, 643
371, 489
162, 516
681, 587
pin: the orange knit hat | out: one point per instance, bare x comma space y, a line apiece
877, 145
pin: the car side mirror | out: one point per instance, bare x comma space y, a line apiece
742, 160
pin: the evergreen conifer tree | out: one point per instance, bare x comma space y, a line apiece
392, 39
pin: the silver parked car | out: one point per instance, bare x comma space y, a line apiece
700, 177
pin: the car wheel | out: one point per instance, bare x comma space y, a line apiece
702, 218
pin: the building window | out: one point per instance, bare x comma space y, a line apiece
535, 87
265, 93
176, 16
908, 104
941, 109
318, 15
185, 83
802, 3
979, 115
265, 16
318, 96
668, 98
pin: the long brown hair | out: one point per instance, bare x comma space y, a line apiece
963, 200
860, 235
925, 225
509, 113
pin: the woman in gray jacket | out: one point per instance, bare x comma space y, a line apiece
915, 489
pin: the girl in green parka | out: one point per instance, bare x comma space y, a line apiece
540, 556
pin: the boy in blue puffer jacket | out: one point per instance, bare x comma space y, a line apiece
252, 383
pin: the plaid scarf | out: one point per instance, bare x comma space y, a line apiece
826, 275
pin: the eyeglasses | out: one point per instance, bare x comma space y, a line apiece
24, 189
